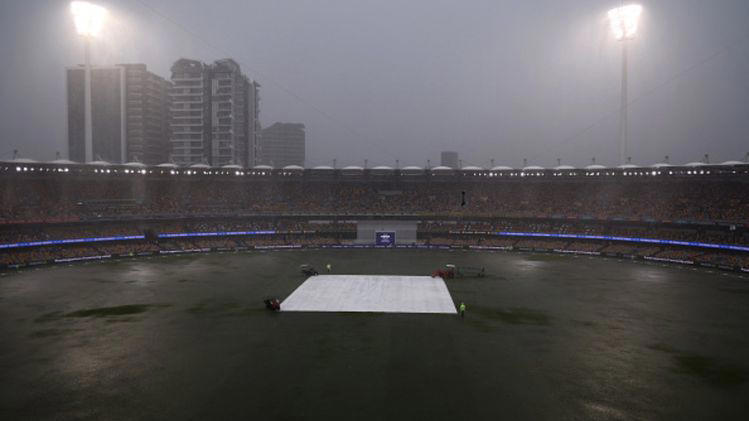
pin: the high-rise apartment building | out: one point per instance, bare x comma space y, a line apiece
253, 100
449, 159
108, 120
190, 111
214, 114
129, 118
147, 114
282, 144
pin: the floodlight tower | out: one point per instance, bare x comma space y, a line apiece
623, 21
89, 20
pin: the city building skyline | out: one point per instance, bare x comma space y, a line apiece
449, 159
283, 144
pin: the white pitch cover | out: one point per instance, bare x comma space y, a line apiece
371, 293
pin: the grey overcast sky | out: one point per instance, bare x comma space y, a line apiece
385, 80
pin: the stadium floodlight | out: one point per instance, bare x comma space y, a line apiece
89, 21
623, 21
89, 18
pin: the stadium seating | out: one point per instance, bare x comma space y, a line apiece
59, 209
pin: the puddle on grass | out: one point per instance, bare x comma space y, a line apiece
100, 312
123, 310
710, 370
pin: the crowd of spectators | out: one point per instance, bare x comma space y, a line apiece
693, 233
46, 232
60, 199
454, 213
31, 255
283, 225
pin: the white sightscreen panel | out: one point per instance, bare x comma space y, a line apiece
371, 293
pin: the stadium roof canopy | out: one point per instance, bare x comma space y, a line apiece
22, 161
383, 168
63, 162
734, 163
533, 167
323, 168
472, 168
167, 165
595, 167
502, 168
627, 166
134, 164
232, 166
262, 167
293, 168
441, 168
564, 167
352, 168
200, 165
661, 165
695, 164
100, 163
412, 168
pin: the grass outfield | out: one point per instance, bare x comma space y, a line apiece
545, 337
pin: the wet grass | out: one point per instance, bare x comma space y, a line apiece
708, 369
102, 281
49, 317
663, 348
212, 307
49, 333
478, 324
584, 323
515, 315
120, 319
732, 290
705, 368
228, 308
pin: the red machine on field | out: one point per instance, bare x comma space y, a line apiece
443, 273
272, 304
452, 271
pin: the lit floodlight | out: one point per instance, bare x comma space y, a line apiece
89, 18
624, 20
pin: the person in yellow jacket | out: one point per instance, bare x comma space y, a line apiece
462, 309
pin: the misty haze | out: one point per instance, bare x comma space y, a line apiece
359, 209
384, 81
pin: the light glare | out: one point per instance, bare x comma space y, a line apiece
624, 20
88, 17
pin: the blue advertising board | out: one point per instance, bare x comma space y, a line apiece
384, 238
